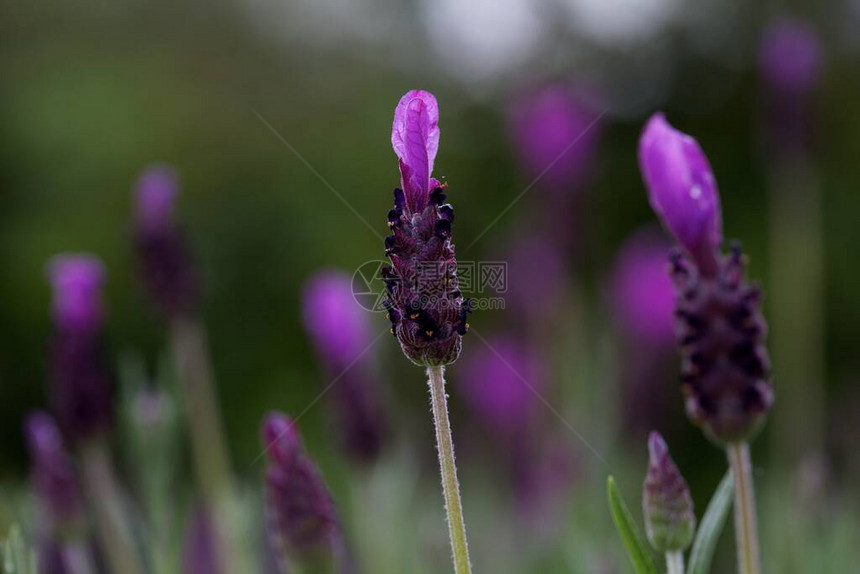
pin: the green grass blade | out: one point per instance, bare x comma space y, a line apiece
711, 526
637, 550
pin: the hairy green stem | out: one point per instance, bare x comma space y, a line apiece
105, 498
675, 562
746, 531
450, 486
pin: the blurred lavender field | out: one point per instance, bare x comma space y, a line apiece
208, 366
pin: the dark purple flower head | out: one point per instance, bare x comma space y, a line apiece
77, 282
53, 472
721, 331
81, 385
339, 330
166, 267
553, 135
425, 306
301, 517
200, 549
415, 138
790, 56
668, 507
643, 299
682, 190
496, 381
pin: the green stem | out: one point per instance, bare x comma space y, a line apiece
450, 486
104, 496
746, 531
675, 562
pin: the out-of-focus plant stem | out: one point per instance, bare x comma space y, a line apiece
209, 446
746, 529
675, 563
104, 496
450, 485
795, 293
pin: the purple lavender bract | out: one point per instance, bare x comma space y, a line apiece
668, 507
340, 333
301, 516
166, 266
682, 190
554, 137
643, 299
425, 306
81, 386
53, 472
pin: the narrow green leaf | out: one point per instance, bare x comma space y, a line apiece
637, 550
711, 526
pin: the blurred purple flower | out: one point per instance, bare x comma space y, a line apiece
554, 136
499, 381
339, 330
668, 507
643, 299
424, 304
536, 277
166, 267
682, 190
81, 385
301, 517
415, 139
790, 57
200, 550
52, 471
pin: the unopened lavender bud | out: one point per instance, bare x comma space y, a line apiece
682, 190
200, 549
669, 518
53, 472
81, 385
425, 306
340, 332
725, 366
302, 522
166, 267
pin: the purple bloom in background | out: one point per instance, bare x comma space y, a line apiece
668, 507
553, 135
682, 190
424, 304
643, 298
165, 263
300, 513
339, 330
495, 380
200, 550
53, 472
790, 57
536, 277
81, 386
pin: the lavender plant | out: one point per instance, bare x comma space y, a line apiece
725, 366
425, 306
341, 336
302, 522
82, 394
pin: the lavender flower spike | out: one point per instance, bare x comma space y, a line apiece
682, 190
339, 330
165, 263
300, 513
668, 507
81, 385
53, 472
425, 306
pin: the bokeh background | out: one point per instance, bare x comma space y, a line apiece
269, 110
